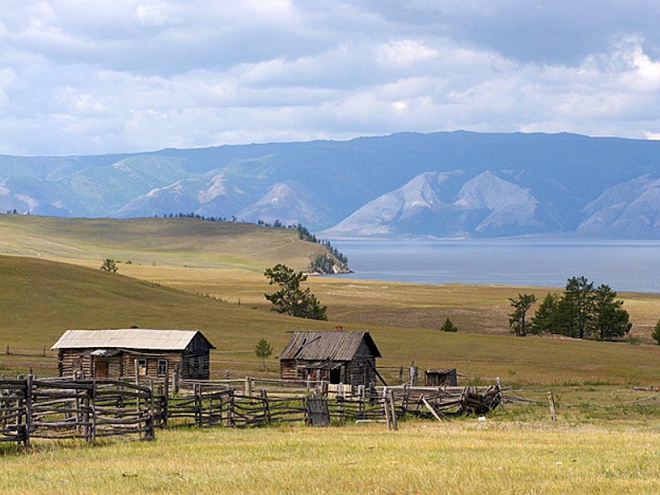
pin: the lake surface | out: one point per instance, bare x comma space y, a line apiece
623, 265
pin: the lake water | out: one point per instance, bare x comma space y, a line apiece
623, 265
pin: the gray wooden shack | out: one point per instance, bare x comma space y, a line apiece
336, 357
440, 377
183, 354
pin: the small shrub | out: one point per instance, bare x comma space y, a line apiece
448, 326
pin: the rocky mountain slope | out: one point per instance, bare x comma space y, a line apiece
442, 184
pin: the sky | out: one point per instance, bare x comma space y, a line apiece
111, 76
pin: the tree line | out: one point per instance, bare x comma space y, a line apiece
305, 235
581, 311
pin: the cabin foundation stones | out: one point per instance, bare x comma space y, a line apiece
132, 382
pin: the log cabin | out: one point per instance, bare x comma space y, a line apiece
116, 353
334, 356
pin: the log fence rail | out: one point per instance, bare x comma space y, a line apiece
59, 408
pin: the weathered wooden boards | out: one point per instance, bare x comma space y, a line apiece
88, 409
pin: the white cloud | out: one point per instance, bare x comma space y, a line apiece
102, 76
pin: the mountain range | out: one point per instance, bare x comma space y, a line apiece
446, 184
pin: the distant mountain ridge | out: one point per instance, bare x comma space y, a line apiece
446, 184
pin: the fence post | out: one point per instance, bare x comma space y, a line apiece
166, 400
91, 411
386, 409
197, 388
28, 410
264, 397
392, 410
551, 402
230, 408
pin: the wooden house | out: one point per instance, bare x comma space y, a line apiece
183, 354
440, 377
337, 357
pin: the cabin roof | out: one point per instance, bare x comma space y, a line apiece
129, 338
327, 346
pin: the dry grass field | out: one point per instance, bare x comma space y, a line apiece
192, 274
187, 273
421, 458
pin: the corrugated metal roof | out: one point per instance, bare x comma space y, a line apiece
129, 338
322, 346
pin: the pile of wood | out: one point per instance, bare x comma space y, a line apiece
448, 401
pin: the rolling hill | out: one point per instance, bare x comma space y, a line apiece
40, 299
155, 241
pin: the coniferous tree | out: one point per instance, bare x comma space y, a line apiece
291, 299
583, 311
263, 350
518, 318
544, 317
656, 333
448, 326
611, 320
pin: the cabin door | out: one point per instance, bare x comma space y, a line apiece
101, 368
336, 376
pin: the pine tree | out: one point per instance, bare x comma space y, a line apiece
448, 326
518, 318
656, 333
263, 350
291, 299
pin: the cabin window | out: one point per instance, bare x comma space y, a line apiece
162, 367
142, 367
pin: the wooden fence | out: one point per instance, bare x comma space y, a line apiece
88, 409
241, 403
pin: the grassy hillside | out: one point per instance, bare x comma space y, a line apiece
155, 241
40, 299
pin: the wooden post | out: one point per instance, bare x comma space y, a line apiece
551, 402
198, 404
91, 408
428, 406
151, 414
248, 387
137, 382
499, 394
392, 410
386, 409
28, 411
230, 409
264, 397
166, 400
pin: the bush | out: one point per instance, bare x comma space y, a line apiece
448, 326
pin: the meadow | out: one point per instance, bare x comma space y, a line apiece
186, 273
421, 458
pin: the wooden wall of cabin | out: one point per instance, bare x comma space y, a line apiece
151, 363
289, 370
196, 365
361, 368
70, 360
